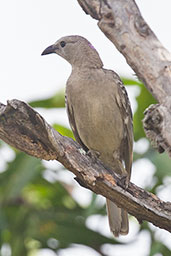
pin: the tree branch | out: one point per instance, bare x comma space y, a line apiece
122, 23
23, 128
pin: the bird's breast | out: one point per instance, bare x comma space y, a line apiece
96, 113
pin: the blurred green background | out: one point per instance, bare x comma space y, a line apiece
40, 212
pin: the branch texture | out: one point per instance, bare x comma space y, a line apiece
122, 23
25, 129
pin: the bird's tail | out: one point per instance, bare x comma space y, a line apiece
118, 219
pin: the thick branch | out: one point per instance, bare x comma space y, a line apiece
122, 23
157, 125
25, 129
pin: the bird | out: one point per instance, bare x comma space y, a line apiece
99, 114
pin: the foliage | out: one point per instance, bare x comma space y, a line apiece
56, 101
36, 213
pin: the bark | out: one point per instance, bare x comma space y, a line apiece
23, 128
122, 23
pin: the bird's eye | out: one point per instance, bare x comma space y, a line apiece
62, 43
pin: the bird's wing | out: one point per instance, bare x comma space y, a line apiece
125, 108
72, 122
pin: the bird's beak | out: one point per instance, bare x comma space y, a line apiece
50, 49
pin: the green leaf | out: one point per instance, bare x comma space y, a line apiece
63, 130
158, 247
18, 174
56, 101
1, 143
162, 163
44, 195
128, 81
67, 227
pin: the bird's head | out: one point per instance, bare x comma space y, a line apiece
76, 50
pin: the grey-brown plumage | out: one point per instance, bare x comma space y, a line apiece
99, 113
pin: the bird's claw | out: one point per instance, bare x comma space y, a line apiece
124, 182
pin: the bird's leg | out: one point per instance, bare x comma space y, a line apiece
124, 177
124, 181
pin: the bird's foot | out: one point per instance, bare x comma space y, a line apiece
124, 181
